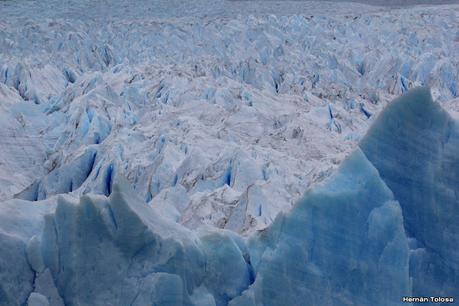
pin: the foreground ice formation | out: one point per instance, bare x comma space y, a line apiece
381, 228
414, 145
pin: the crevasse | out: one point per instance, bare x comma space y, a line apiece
383, 227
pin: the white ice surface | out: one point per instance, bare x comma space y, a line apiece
217, 112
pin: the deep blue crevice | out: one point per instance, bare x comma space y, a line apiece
265, 173
109, 180
361, 68
159, 91
35, 188
70, 76
453, 89
330, 112
404, 86
227, 177
5, 74
365, 112
91, 164
107, 56
148, 197
250, 269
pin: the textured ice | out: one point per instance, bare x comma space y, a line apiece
380, 228
138, 140
118, 251
236, 107
424, 140
343, 244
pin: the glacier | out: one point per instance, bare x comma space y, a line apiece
381, 228
220, 112
227, 152
425, 182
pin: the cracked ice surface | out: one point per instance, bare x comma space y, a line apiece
380, 228
218, 113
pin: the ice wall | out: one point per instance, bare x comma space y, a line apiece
117, 251
381, 228
384, 227
414, 146
343, 244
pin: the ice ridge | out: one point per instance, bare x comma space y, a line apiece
380, 229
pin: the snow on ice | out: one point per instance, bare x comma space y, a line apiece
159, 153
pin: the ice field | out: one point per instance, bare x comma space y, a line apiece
228, 152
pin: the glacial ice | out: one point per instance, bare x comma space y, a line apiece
424, 140
380, 228
170, 93
343, 244
220, 114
